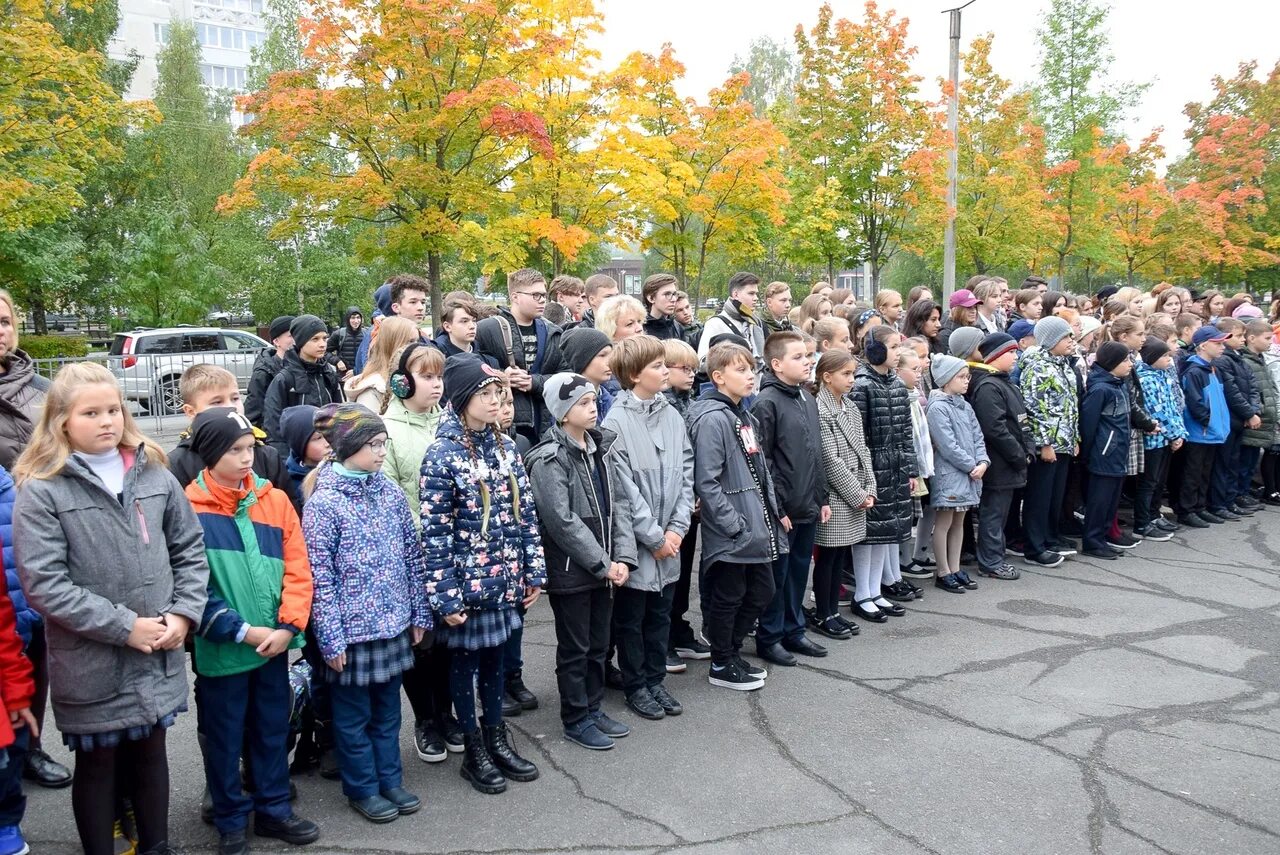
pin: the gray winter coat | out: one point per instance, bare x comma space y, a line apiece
580, 535
850, 478
739, 518
22, 393
957, 449
656, 473
91, 566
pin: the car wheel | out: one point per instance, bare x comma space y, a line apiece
168, 398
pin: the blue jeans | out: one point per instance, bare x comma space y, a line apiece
366, 731
783, 618
13, 804
1246, 465
249, 709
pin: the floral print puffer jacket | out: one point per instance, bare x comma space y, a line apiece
479, 524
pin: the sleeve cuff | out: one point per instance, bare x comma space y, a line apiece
242, 632
289, 627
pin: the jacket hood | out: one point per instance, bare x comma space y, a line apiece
940, 398
293, 360
769, 380
209, 494
703, 406
555, 439
346, 316
647, 410
327, 478
6, 481
1098, 374
399, 413
19, 370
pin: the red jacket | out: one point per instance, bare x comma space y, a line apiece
16, 683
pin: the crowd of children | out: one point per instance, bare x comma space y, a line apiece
396, 542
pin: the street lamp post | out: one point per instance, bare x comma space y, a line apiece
953, 126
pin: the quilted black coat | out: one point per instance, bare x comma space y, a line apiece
886, 425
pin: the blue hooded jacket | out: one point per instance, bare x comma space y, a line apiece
1207, 419
1104, 423
28, 618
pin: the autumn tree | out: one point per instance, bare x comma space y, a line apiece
771, 67
424, 100
1080, 108
708, 177
858, 118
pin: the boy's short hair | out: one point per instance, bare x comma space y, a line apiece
775, 346
656, 283
1185, 321
1026, 295
682, 295
776, 288
565, 285
677, 351
524, 276
804, 336
630, 356
450, 310
402, 282
726, 355
1257, 327
1161, 331
202, 379
741, 280
1228, 325
597, 281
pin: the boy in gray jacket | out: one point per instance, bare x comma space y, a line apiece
742, 534
656, 474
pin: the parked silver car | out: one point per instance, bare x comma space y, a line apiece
150, 362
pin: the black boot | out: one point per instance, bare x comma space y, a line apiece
515, 767
478, 768
519, 692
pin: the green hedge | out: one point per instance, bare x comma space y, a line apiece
54, 346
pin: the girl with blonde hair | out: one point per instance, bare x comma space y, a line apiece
370, 388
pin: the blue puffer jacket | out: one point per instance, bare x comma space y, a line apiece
1206, 416
1104, 423
28, 618
482, 545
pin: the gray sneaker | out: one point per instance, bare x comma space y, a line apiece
1004, 571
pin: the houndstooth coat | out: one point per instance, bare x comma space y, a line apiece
847, 464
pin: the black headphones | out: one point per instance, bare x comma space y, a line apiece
401, 382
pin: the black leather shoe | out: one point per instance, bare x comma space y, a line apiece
641, 703
832, 628
517, 690
510, 707
897, 592
1107, 554
405, 801
891, 609
1211, 518
613, 677
950, 583
805, 647
375, 809
669, 705
1243, 510
775, 653
291, 829
962, 576
233, 843
509, 763
478, 767
45, 771
860, 609
1224, 514
1192, 521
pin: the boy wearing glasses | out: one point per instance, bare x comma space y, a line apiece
526, 346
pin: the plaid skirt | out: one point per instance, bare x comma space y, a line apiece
113, 738
376, 661
1136, 456
484, 628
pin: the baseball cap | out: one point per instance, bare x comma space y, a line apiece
1208, 333
963, 297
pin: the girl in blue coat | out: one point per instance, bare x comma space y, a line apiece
484, 557
1104, 444
960, 461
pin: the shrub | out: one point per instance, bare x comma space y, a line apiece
55, 346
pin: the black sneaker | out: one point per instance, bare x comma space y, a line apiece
1193, 521
642, 703
454, 740
1124, 541
1154, 533
963, 578
675, 665
429, 743
1045, 559
917, 571
1225, 514
752, 670
731, 676
1004, 571
609, 727
693, 650
1063, 548
1165, 524
669, 704
1210, 517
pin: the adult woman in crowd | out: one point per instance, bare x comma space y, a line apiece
924, 319
620, 316
964, 313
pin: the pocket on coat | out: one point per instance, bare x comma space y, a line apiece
83, 671
175, 662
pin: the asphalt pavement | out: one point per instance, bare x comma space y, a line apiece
1122, 707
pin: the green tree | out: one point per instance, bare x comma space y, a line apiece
772, 67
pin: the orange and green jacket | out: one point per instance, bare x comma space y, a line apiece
259, 573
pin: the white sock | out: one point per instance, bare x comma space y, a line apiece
863, 556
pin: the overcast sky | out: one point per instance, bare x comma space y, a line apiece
1175, 45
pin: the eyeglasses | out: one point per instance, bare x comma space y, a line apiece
377, 446
684, 369
537, 296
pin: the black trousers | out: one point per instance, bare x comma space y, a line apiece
641, 629
738, 595
1197, 469
829, 569
582, 637
1222, 481
1150, 490
1042, 502
993, 511
426, 685
681, 630
1100, 509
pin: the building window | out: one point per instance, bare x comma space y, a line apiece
162, 33
232, 38
223, 77
254, 6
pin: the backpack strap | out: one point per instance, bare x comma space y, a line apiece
508, 342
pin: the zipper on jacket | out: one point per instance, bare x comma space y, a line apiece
606, 530
1110, 436
142, 521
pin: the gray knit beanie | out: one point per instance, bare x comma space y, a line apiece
945, 367
561, 391
1050, 331
964, 341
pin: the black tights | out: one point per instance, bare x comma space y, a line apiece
466, 669
1271, 471
828, 572
94, 797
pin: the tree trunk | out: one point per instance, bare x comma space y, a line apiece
298, 290
37, 312
433, 276
831, 270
